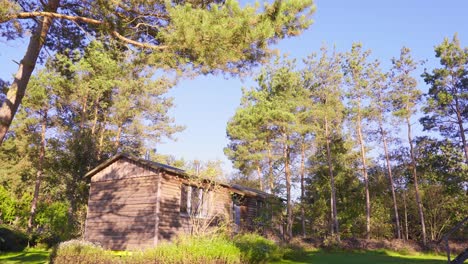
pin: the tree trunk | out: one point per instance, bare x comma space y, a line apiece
96, 112
270, 170
259, 175
288, 188
17, 89
334, 214
101, 138
416, 186
37, 185
364, 173
303, 189
390, 177
406, 215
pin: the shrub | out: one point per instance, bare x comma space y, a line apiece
11, 239
331, 243
79, 251
257, 249
53, 221
7, 206
186, 249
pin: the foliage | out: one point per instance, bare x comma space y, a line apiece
12, 239
190, 37
257, 249
267, 121
78, 251
447, 107
53, 220
207, 249
185, 249
7, 206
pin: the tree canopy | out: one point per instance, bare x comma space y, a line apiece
187, 36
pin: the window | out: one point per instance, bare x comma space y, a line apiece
194, 201
260, 207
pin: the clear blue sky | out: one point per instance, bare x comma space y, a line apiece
205, 104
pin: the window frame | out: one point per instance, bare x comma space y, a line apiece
202, 200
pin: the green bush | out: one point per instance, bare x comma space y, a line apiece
53, 221
11, 239
210, 249
184, 250
79, 251
257, 249
7, 206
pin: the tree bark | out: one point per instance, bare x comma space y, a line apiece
334, 214
416, 186
303, 189
390, 177
38, 182
17, 89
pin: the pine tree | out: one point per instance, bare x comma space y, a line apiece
405, 97
38, 104
356, 70
447, 108
323, 78
380, 107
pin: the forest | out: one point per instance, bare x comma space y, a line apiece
341, 129
334, 134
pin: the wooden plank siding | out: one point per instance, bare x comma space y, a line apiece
134, 206
121, 206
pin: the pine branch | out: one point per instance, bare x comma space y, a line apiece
114, 33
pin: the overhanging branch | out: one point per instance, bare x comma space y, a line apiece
114, 33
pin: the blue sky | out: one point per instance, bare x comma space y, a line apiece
205, 104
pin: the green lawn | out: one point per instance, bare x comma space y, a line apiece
28, 256
37, 256
379, 256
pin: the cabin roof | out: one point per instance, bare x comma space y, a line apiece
177, 171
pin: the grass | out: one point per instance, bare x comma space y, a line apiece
363, 257
40, 256
27, 256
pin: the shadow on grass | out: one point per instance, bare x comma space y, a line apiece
27, 257
357, 257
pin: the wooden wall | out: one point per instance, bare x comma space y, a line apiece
121, 206
171, 221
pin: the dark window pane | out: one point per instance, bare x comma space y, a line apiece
183, 199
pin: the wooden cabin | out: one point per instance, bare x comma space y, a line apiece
136, 203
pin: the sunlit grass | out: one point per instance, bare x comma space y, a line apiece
40, 256
363, 257
28, 256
